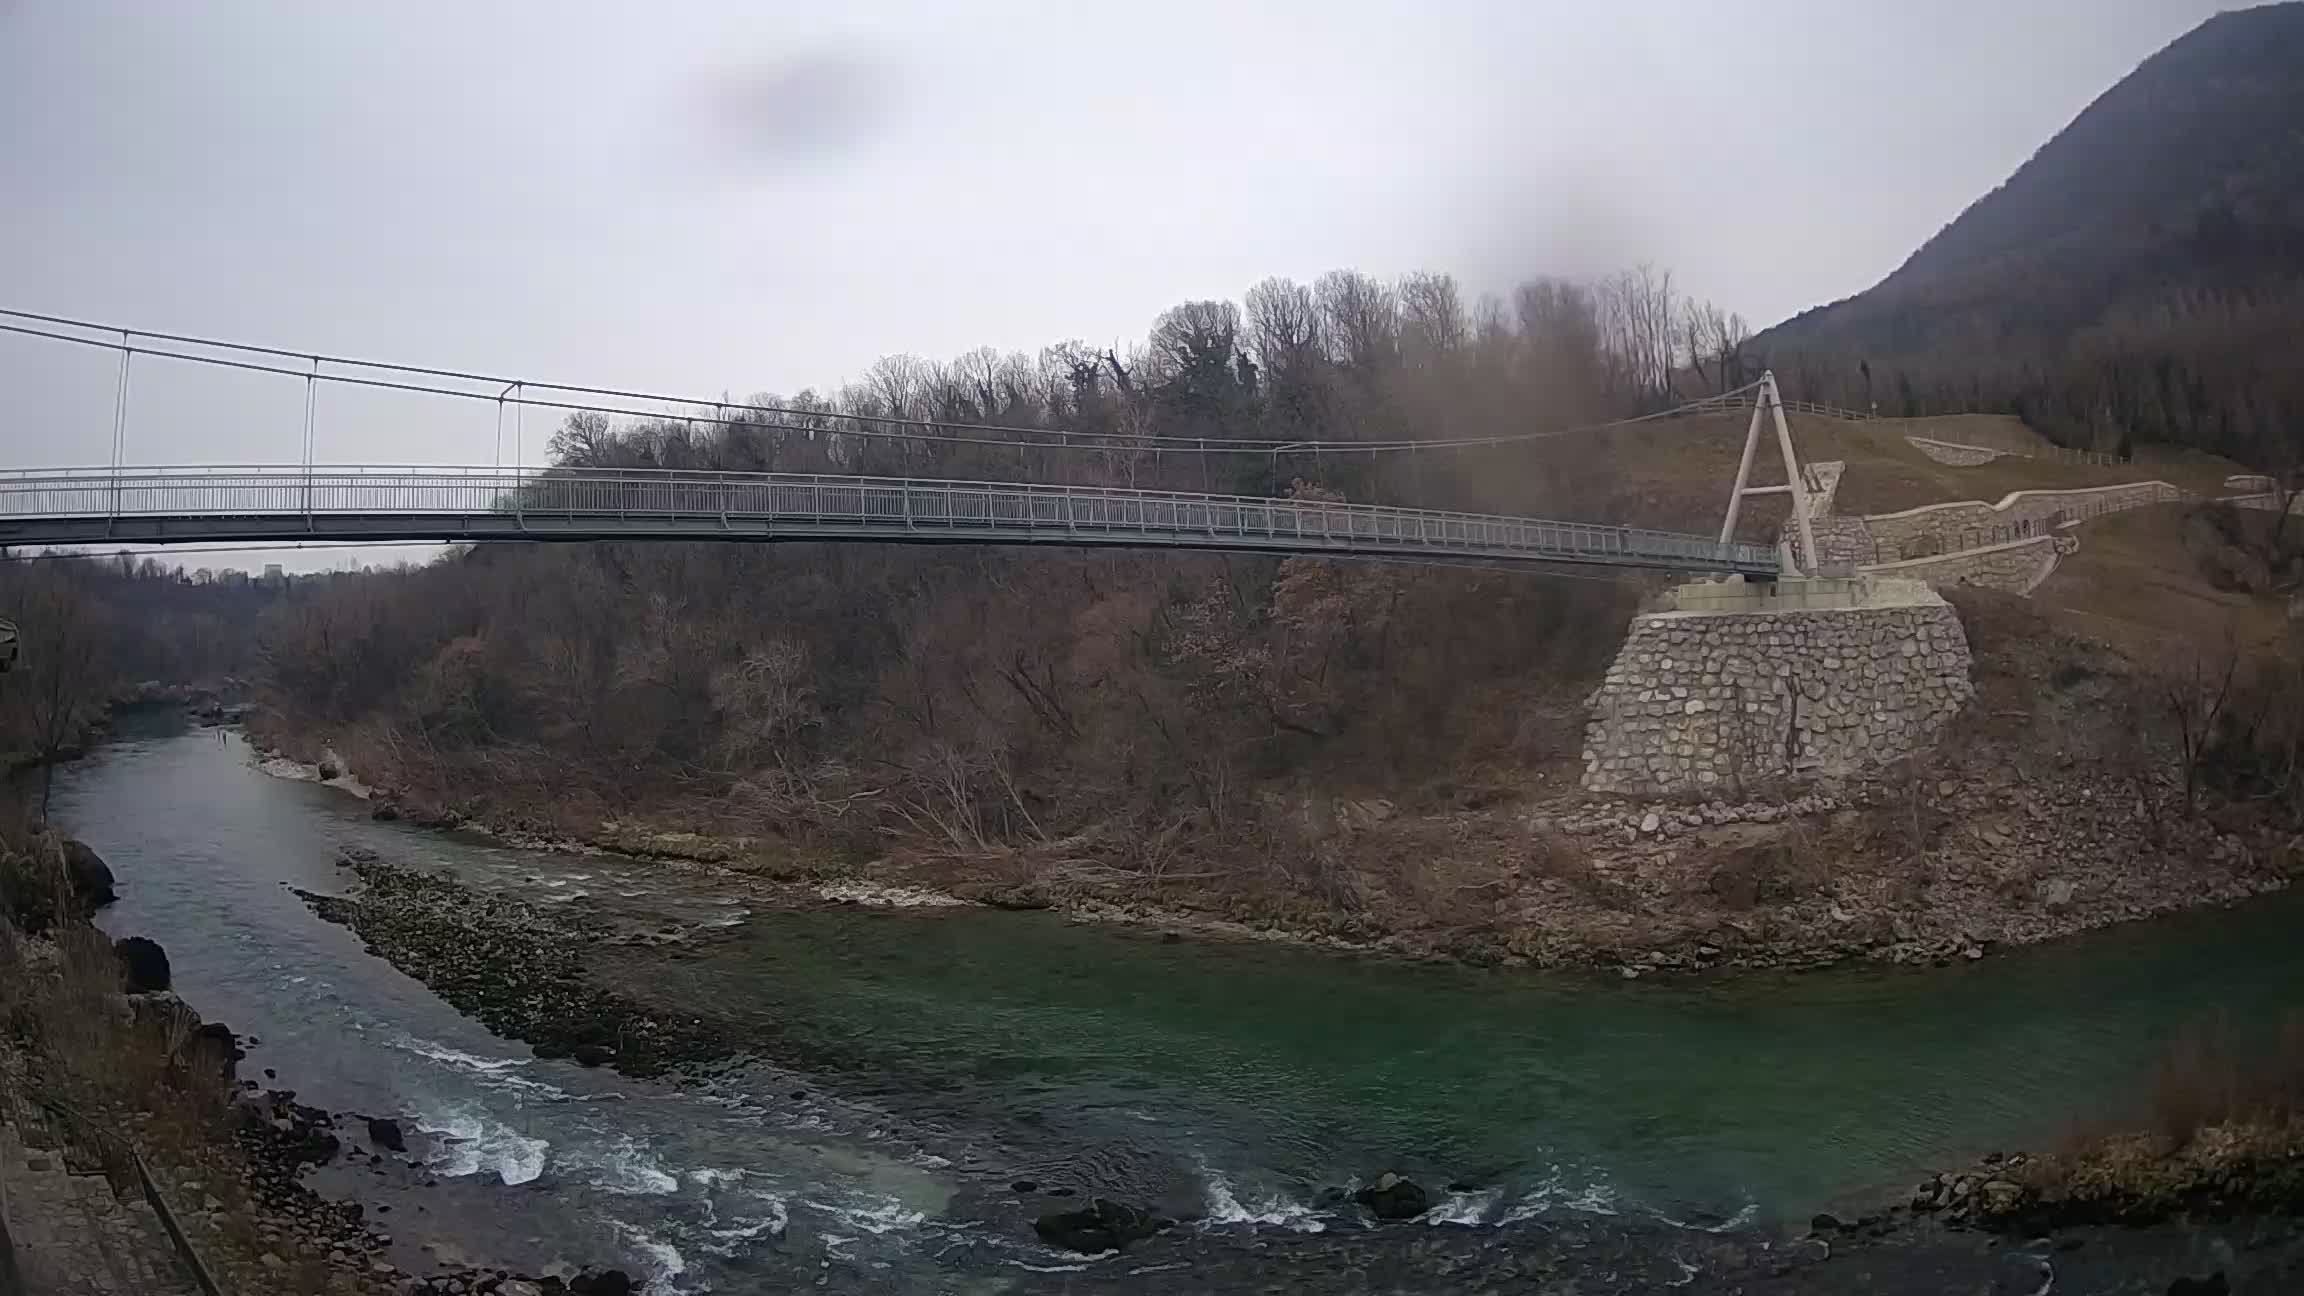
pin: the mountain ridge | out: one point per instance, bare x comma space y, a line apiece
2170, 209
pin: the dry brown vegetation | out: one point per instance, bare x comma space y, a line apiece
2225, 1131
1125, 717
91, 628
111, 1073
1154, 717
1357, 749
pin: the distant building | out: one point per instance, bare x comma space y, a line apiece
273, 575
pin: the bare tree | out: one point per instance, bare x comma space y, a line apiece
1713, 341
1284, 328
584, 440
1195, 342
1360, 320
1433, 324
1639, 329
64, 673
1560, 330
2195, 692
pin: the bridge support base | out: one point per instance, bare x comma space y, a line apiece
1737, 685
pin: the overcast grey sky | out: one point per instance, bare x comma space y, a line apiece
724, 196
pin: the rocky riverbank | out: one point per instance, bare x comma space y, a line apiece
2056, 803
1632, 888
95, 1046
1927, 864
516, 967
229, 1157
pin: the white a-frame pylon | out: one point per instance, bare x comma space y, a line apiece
1769, 403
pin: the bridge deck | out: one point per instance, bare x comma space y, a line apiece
182, 504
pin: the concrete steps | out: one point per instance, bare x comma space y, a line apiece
73, 1235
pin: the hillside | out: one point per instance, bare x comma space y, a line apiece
2141, 278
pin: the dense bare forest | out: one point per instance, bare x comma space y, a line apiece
93, 632
2140, 279
1148, 711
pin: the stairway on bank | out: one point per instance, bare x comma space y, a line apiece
71, 1233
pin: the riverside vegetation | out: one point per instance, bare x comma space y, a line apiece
92, 1037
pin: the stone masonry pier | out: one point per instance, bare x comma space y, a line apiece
1738, 684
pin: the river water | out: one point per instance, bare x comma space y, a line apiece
921, 1061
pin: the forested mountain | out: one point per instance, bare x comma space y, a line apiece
2140, 278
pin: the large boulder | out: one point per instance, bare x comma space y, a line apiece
1104, 1226
386, 1134
214, 1044
90, 876
601, 1282
143, 965
1394, 1198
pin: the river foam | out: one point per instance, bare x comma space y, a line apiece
496, 1073
1270, 1210
621, 1165
469, 1142
662, 1262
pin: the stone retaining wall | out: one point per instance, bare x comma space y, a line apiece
1844, 539
2016, 567
1958, 456
2269, 502
1702, 702
1941, 528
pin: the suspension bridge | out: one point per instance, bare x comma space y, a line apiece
121, 503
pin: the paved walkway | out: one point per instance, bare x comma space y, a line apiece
73, 1236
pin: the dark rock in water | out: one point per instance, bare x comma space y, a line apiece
386, 812
1827, 1222
1024, 1186
1171, 938
329, 770
1394, 1198
215, 1040
2214, 1284
593, 1055
143, 965
386, 1135
1060, 1192
604, 1282
90, 876
1105, 1226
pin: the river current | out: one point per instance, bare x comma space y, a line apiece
1241, 1085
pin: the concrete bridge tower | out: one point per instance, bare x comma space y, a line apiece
1726, 685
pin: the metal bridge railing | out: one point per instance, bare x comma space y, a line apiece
632, 499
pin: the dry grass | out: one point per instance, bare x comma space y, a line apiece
2137, 584
2213, 1077
1676, 474
2226, 1130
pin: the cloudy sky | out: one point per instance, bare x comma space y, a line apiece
718, 196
